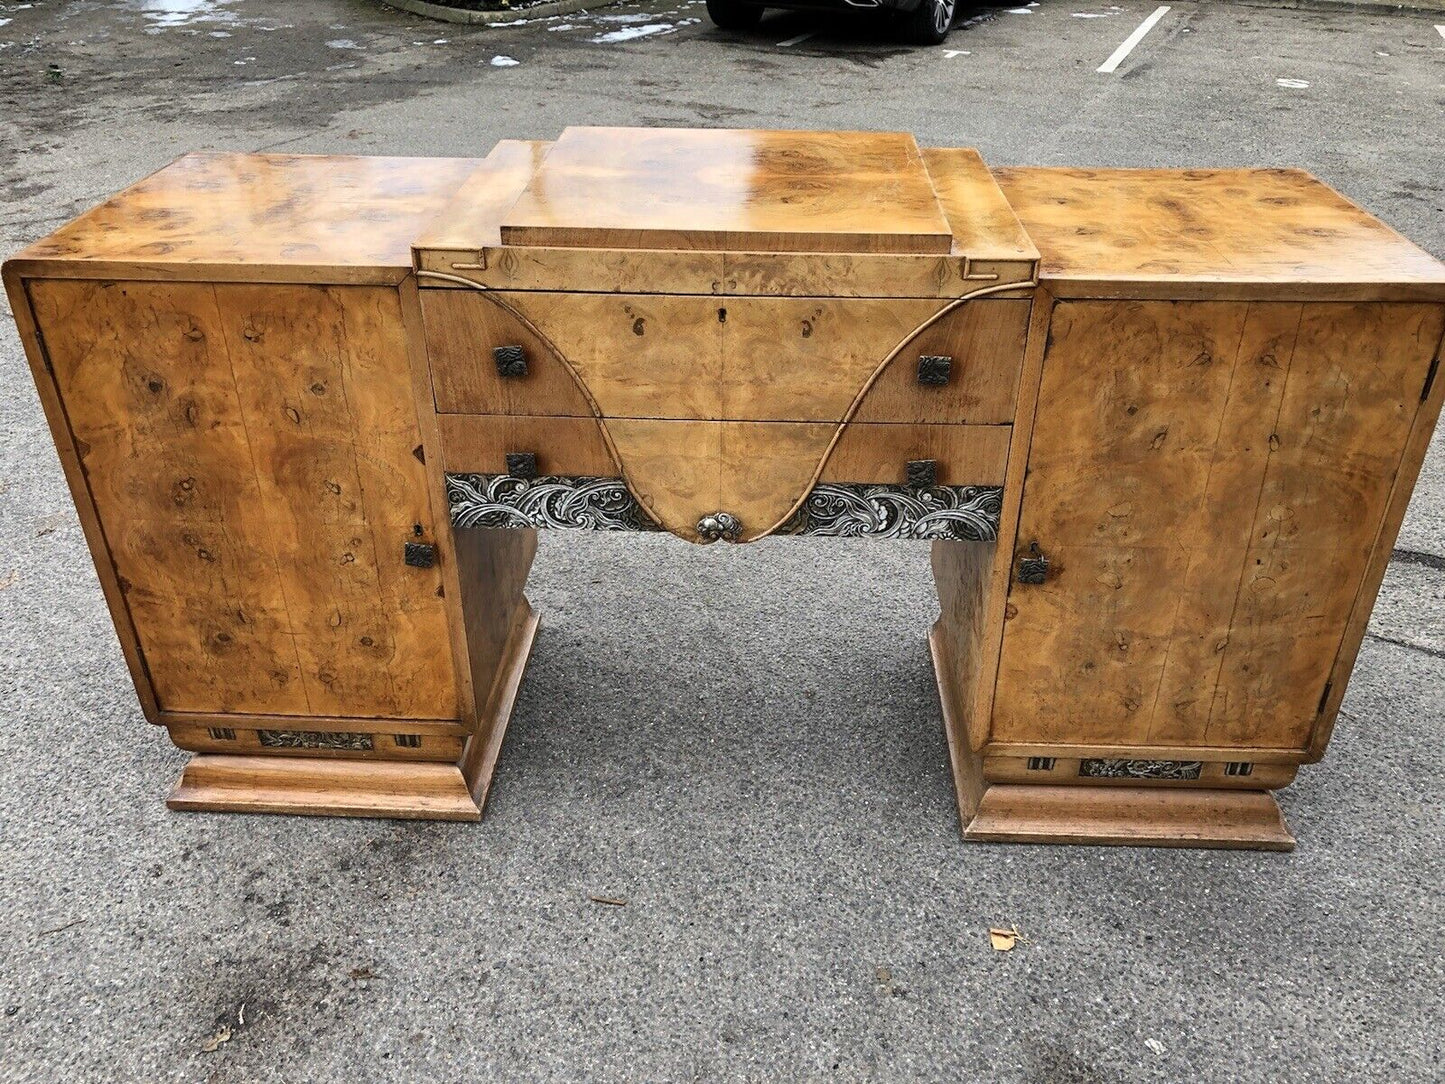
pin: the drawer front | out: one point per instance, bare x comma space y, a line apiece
757, 472
636, 355
706, 358
807, 359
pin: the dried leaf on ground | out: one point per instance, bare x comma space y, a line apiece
608, 900
223, 1035
1003, 939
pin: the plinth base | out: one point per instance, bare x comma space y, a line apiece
337, 788
1130, 816
1113, 815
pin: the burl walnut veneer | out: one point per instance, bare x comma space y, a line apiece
1161, 458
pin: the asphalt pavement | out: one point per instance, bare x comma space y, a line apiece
743, 744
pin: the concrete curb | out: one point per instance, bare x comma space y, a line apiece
475, 18
1384, 7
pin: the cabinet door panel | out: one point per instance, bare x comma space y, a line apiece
242, 444
1207, 480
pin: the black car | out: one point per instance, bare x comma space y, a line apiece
923, 21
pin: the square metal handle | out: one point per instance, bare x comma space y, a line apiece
522, 464
419, 554
511, 361
922, 473
934, 369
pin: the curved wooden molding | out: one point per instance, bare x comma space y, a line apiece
683, 467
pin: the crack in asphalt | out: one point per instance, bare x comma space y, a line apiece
1433, 652
1416, 557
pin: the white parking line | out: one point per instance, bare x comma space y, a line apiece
1132, 40
1440, 28
794, 41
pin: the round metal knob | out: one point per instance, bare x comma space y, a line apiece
720, 526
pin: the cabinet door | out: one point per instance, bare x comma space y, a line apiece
250, 451
1206, 481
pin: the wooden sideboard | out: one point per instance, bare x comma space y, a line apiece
1160, 428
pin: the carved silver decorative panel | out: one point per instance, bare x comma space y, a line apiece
586, 504
1176, 770
315, 739
846, 510
965, 513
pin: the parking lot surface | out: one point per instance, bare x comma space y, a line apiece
743, 744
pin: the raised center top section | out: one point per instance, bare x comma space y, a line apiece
730, 191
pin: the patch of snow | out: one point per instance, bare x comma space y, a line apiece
1092, 14
564, 26
170, 14
627, 33
342, 43
3, 21
504, 62
1292, 84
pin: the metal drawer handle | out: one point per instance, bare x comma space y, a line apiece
934, 369
522, 464
511, 360
922, 473
419, 554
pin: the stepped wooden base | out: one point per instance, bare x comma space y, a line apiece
336, 788
365, 788
1114, 815
1130, 816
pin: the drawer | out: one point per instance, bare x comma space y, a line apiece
682, 471
708, 358
806, 359
637, 355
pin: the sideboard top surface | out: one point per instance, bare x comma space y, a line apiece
971, 236
731, 190
324, 218
1198, 232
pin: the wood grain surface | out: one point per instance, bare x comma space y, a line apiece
750, 359
257, 216
333, 788
984, 226
1207, 480
1131, 817
256, 513
750, 191
1212, 232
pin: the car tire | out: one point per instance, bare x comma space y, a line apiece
927, 24
732, 15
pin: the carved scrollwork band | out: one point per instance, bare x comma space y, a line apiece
845, 510
314, 739
584, 504
1101, 768
840, 510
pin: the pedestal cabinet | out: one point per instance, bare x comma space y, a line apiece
1235, 377
220, 351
